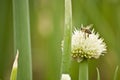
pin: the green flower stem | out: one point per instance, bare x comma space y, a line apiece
67, 37
83, 70
22, 38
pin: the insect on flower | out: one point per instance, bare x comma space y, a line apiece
86, 30
87, 44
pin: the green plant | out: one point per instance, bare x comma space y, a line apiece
22, 40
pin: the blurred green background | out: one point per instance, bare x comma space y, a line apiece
47, 27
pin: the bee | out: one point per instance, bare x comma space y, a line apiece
86, 30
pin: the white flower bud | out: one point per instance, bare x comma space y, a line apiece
65, 77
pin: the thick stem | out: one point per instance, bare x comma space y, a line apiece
83, 70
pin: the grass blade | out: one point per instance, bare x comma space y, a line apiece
15, 67
22, 38
67, 37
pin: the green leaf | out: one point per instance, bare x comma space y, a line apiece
67, 37
98, 74
15, 67
22, 40
116, 72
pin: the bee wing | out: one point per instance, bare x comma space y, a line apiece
89, 26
